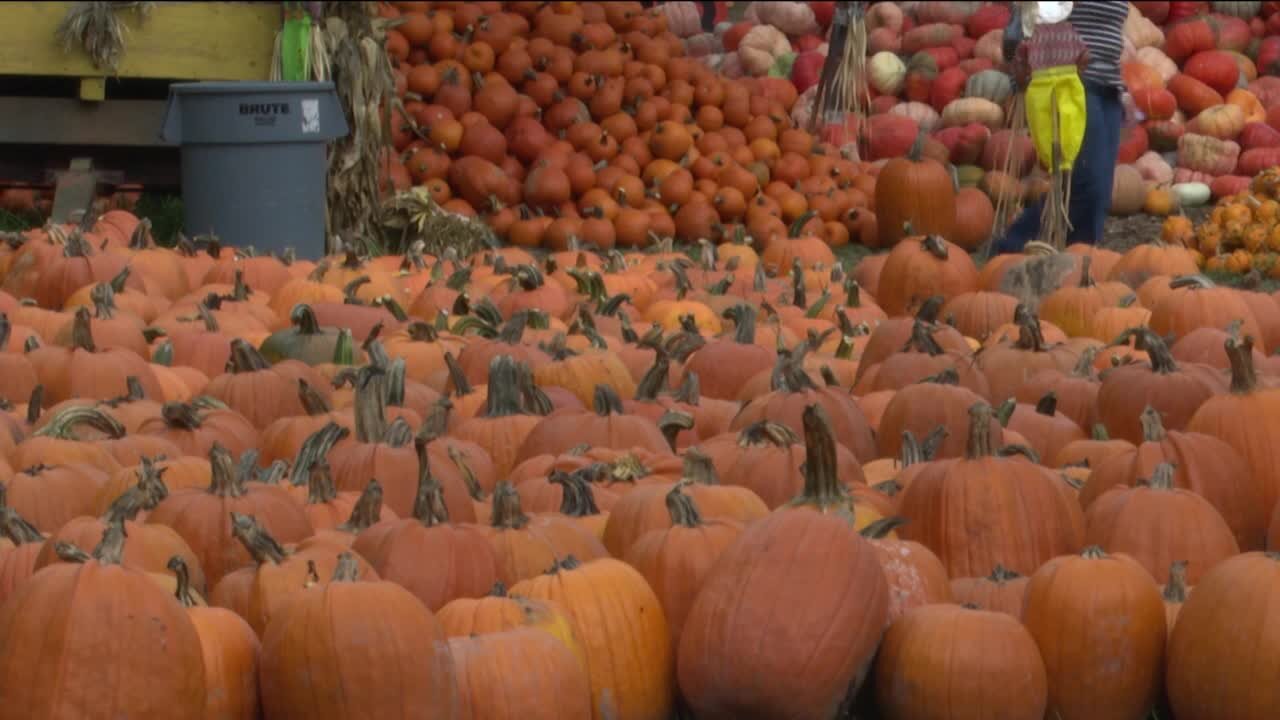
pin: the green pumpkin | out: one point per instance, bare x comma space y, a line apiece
781, 67
990, 85
307, 342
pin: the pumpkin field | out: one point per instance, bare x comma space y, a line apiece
682, 406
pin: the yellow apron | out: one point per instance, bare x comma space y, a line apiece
1058, 86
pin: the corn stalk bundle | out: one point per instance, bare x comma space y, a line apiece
842, 88
411, 217
96, 28
1009, 205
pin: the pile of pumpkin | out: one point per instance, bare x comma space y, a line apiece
618, 485
586, 124
1240, 234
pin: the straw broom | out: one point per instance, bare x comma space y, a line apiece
842, 89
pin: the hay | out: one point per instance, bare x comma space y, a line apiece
96, 28
411, 216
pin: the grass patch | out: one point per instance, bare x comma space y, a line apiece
165, 214
13, 222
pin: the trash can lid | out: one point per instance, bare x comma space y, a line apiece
252, 113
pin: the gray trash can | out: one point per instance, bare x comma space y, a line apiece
253, 160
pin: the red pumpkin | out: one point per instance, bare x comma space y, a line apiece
1215, 68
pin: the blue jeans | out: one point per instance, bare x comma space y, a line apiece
1091, 176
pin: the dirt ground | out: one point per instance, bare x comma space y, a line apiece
1122, 233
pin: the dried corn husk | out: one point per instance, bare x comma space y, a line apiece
411, 217
96, 28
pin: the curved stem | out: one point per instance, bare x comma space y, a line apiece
457, 377
682, 509
654, 380
881, 528
246, 358
1001, 575
822, 486
577, 499
367, 511
606, 401
767, 432
64, 425
255, 538
370, 405
320, 487
110, 551
428, 503
183, 592
313, 403
672, 423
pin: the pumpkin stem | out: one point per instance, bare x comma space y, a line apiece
180, 416
1084, 366
744, 323
568, 563
766, 432
1175, 591
672, 423
536, 402
313, 403
698, 468
950, 376
1048, 405
457, 377
320, 487
980, 416
347, 570
606, 401
682, 509
224, 481
1001, 575
246, 358
922, 341
70, 553
916, 152
183, 576
504, 391
67, 422
881, 528
110, 551
81, 331
797, 227
1162, 477
370, 405
313, 452
799, 293
303, 319
822, 486
1152, 425
1191, 282
852, 293
507, 514
1086, 278
16, 528
428, 504
1030, 336
935, 246
655, 378
131, 502
577, 498
255, 538
459, 460
1240, 353
367, 511
103, 299
690, 390
1093, 552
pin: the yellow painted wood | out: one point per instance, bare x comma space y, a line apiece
178, 41
93, 88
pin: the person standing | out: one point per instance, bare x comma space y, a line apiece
1100, 24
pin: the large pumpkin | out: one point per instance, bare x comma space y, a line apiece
914, 196
103, 615
1099, 622
801, 583
1222, 637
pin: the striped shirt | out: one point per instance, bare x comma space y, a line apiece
1101, 26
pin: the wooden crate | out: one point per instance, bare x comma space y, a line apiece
178, 41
